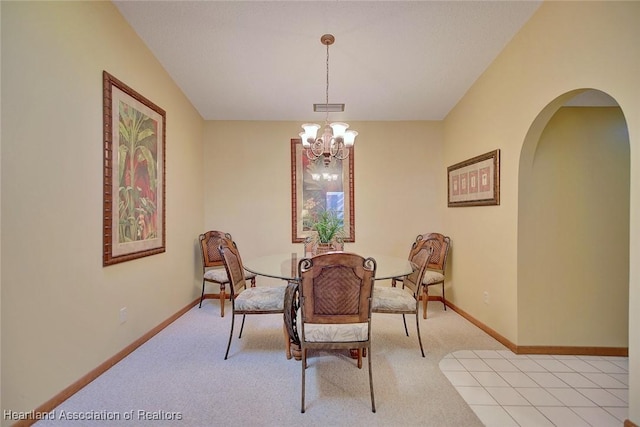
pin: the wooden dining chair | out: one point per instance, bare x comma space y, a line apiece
246, 300
406, 299
436, 267
335, 307
213, 267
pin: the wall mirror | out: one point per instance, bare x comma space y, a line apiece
316, 187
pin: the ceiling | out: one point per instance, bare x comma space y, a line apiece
263, 60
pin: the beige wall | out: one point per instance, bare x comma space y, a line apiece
398, 173
60, 307
565, 46
573, 242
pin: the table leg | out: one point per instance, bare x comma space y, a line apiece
354, 352
287, 342
296, 352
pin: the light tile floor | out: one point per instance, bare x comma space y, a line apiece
506, 389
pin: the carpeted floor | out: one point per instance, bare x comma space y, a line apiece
180, 377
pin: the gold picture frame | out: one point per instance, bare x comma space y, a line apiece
475, 182
134, 131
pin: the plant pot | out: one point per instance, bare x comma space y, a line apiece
324, 248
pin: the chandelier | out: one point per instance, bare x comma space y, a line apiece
336, 139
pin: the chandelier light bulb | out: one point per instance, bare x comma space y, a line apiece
349, 138
339, 129
309, 134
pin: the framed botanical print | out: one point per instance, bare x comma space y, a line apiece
134, 174
475, 182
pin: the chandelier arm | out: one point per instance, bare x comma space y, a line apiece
341, 153
338, 149
334, 147
317, 147
310, 155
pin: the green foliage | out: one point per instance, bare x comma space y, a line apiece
137, 175
328, 225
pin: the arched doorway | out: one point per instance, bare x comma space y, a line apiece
573, 226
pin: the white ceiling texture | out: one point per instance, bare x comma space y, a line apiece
263, 60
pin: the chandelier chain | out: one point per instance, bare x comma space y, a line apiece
326, 117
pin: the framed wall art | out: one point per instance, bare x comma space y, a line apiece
475, 182
316, 188
134, 174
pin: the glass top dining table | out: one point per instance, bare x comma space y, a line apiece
285, 266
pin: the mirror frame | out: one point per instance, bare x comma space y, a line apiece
298, 176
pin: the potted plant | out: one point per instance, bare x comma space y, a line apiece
328, 227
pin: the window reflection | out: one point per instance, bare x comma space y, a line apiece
322, 189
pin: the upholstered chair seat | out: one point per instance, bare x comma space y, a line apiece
261, 298
432, 277
322, 332
219, 275
392, 299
